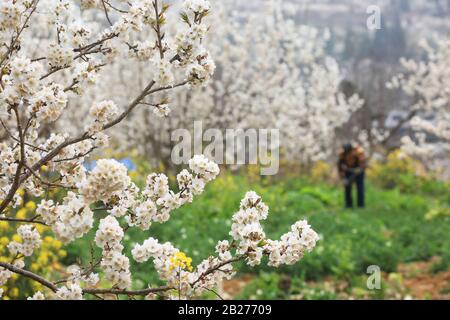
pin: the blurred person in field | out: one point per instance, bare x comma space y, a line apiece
351, 166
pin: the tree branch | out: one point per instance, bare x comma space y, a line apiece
143, 292
30, 275
220, 265
32, 220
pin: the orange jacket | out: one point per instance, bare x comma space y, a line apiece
351, 160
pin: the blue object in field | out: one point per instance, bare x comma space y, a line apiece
89, 165
127, 162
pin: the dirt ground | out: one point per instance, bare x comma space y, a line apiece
417, 282
424, 284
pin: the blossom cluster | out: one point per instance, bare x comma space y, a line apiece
247, 231
159, 200
5, 274
31, 240
109, 178
69, 220
175, 267
292, 245
115, 264
251, 244
102, 113
72, 289
4, 277
22, 81
246, 228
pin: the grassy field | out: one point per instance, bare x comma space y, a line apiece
391, 232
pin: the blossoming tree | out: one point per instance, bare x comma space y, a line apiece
272, 72
41, 84
428, 84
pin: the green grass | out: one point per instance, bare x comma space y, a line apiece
392, 229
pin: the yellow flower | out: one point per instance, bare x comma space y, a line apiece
62, 253
16, 238
22, 213
40, 228
14, 292
133, 175
43, 258
57, 244
4, 241
180, 260
48, 239
4, 226
31, 206
36, 286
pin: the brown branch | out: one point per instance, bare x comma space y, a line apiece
142, 292
17, 140
168, 87
96, 43
77, 156
16, 182
114, 8
106, 13
93, 291
132, 105
84, 51
38, 59
397, 128
158, 29
84, 273
217, 267
32, 220
46, 183
30, 275
215, 292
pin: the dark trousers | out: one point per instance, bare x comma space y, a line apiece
359, 180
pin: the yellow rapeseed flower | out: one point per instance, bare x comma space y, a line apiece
22, 213
4, 226
56, 244
16, 238
48, 239
31, 206
180, 260
14, 292
62, 253
43, 258
4, 241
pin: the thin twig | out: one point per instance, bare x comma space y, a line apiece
106, 13
23, 220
